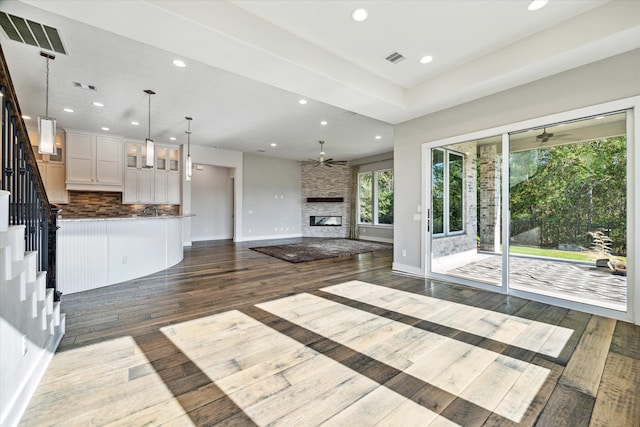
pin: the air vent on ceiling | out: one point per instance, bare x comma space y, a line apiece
31, 33
395, 57
85, 86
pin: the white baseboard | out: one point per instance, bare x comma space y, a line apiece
271, 237
375, 239
31, 382
215, 237
409, 269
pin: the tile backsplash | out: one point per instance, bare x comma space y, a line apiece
101, 204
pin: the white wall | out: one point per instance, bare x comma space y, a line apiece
211, 203
216, 157
272, 198
257, 182
608, 80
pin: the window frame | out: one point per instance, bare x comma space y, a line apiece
446, 199
374, 198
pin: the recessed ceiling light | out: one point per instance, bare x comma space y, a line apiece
302, 101
104, 128
323, 123
26, 117
135, 123
359, 14
537, 4
426, 59
98, 104
273, 144
68, 110
378, 137
179, 63
173, 138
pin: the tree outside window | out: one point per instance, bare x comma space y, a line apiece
385, 197
447, 191
375, 197
365, 199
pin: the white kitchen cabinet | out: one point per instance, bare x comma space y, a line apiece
160, 184
94, 162
52, 169
167, 175
138, 178
138, 186
173, 188
53, 178
167, 159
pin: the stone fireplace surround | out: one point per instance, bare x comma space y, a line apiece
320, 184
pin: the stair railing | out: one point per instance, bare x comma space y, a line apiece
28, 202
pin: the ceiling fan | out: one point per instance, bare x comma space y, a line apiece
546, 136
325, 162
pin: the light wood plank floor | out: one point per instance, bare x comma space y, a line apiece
233, 337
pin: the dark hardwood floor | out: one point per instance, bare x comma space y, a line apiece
233, 337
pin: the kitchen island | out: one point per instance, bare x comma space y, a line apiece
97, 252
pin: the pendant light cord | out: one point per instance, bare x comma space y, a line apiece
46, 98
149, 131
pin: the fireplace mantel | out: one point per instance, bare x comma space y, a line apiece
325, 199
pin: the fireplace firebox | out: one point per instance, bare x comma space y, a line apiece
322, 221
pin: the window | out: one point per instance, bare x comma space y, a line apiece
447, 192
375, 197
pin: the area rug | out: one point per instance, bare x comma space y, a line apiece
315, 249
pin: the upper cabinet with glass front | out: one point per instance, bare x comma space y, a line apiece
136, 156
167, 159
52, 169
53, 158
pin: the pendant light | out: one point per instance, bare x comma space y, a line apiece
47, 125
188, 162
150, 155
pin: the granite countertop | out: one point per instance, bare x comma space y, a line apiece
120, 218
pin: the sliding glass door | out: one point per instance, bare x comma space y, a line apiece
564, 228
568, 204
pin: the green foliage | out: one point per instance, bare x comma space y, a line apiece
583, 183
456, 191
365, 197
385, 197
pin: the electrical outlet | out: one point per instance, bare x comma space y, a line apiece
404, 252
124, 259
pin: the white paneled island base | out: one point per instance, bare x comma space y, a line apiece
97, 252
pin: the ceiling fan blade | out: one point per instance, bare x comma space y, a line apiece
340, 162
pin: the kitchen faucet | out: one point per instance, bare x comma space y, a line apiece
149, 208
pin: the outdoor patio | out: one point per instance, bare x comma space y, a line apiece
570, 280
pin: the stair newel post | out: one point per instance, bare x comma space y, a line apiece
51, 241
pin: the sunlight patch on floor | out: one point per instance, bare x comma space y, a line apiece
516, 331
275, 379
101, 373
451, 365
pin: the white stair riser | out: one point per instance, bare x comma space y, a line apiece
31, 321
4, 210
